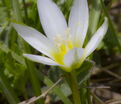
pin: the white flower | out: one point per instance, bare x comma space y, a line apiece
63, 45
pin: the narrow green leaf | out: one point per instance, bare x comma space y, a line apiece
18, 58
94, 16
30, 65
34, 79
8, 91
113, 33
1, 29
84, 71
4, 48
56, 90
16, 9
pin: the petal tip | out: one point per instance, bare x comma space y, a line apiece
24, 54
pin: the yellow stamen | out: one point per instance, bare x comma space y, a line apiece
64, 45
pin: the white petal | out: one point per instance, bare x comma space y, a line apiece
35, 39
40, 59
73, 56
78, 21
52, 19
96, 39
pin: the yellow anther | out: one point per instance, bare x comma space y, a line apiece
70, 45
64, 45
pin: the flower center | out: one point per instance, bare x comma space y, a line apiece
64, 44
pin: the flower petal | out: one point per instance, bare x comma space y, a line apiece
52, 19
35, 39
96, 39
78, 21
40, 59
73, 56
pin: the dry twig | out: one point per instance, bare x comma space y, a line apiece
43, 95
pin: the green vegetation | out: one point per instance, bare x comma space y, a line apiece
22, 79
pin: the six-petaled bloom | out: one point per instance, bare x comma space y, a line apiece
63, 44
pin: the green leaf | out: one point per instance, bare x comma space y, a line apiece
1, 29
8, 91
4, 48
18, 58
95, 13
112, 34
3, 16
16, 10
84, 71
57, 90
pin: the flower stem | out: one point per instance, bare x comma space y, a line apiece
88, 93
75, 88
